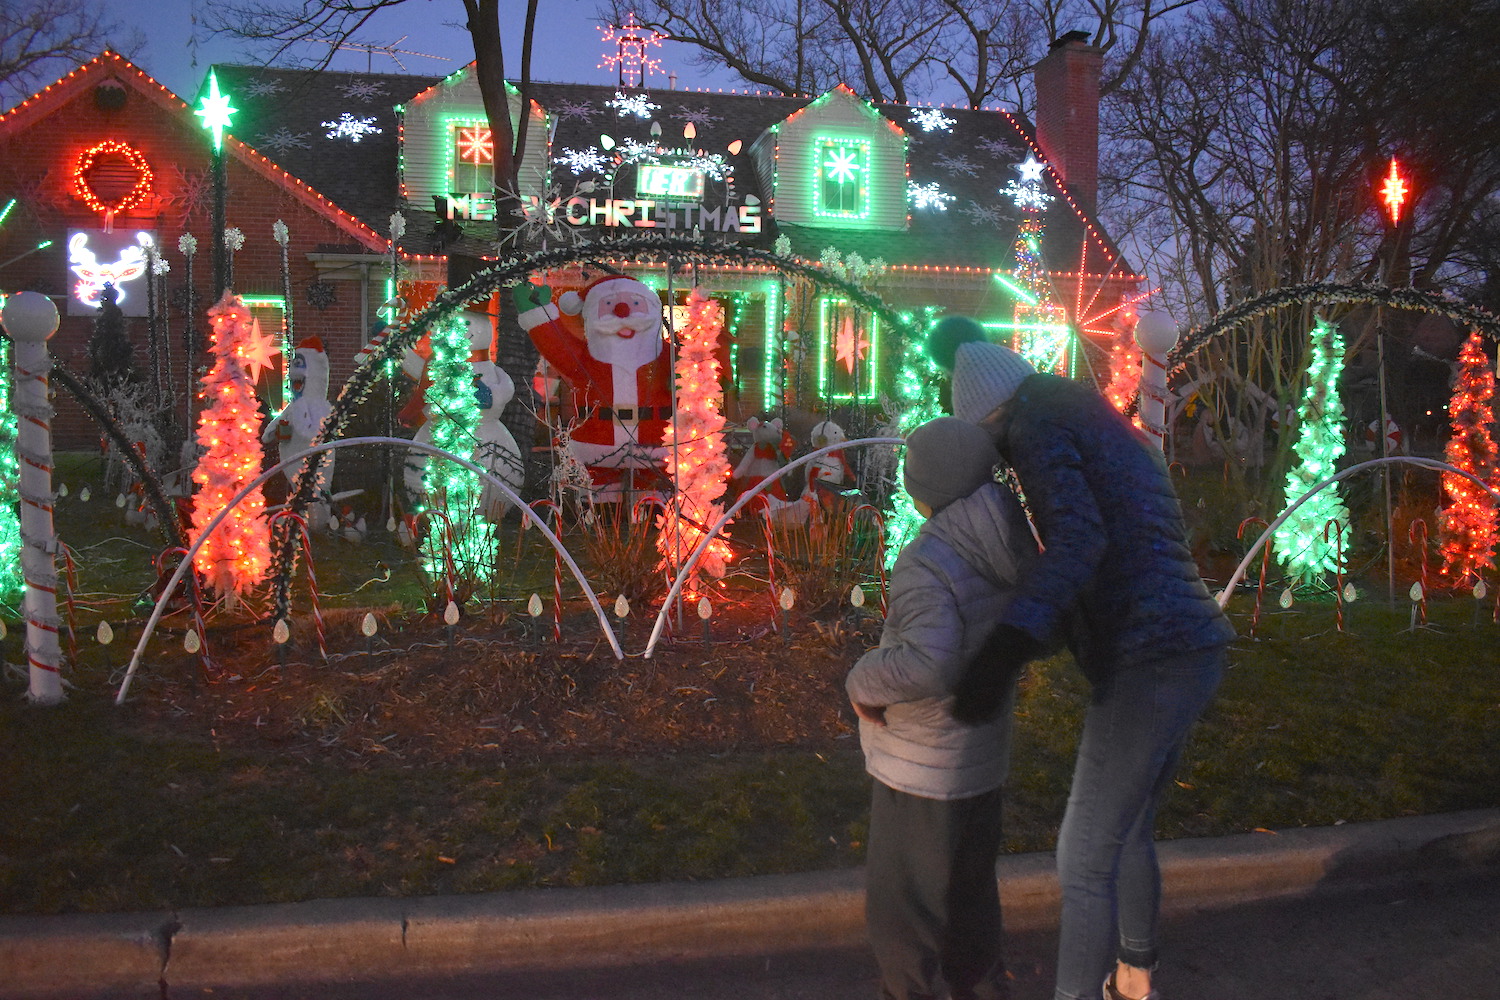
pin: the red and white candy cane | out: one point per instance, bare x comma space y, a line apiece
764, 505
1265, 559
879, 520
1417, 535
450, 569
312, 575
556, 566
1338, 568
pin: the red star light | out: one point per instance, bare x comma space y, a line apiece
256, 351
1393, 193
850, 346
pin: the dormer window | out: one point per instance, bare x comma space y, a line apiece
843, 177
472, 155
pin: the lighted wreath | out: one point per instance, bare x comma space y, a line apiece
131, 198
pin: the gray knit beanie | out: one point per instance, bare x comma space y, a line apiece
947, 459
984, 376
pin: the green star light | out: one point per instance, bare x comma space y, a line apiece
215, 111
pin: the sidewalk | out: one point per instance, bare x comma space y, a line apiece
534, 929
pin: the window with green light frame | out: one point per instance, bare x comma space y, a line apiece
471, 154
270, 312
841, 178
834, 381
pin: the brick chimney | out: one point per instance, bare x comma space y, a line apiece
1067, 113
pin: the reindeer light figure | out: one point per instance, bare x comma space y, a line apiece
93, 276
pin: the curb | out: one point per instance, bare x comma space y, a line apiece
371, 938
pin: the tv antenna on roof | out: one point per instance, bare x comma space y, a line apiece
391, 50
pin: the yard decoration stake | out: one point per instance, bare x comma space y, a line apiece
238, 554
31, 319
1467, 526
1300, 547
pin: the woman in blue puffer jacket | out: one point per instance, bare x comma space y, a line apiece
1116, 578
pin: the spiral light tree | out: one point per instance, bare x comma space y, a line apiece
31, 319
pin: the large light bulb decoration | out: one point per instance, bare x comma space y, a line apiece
1307, 542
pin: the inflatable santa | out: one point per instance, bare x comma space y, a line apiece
606, 342
494, 446
296, 427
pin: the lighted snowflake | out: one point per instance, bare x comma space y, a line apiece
1005, 148
633, 150
958, 165
282, 140
476, 145
842, 165
928, 196
362, 90
582, 161
698, 116
543, 217
626, 105
263, 88
712, 164
931, 120
351, 128
583, 110
983, 215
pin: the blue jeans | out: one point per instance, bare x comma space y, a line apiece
1137, 722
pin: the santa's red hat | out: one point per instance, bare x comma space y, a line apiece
572, 302
312, 344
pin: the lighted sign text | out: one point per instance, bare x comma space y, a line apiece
666, 181
476, 205
646, 213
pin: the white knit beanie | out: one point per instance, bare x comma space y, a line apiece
946, 460
984, 376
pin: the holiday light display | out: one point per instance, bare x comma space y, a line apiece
452, 415
1041, 335
694, 443
915, 402
1393, 193
84, 189
842, 187
1124, 374
10, 482
346, 126
630, 42
1306, 541
1467, 526
238, 553
215, 111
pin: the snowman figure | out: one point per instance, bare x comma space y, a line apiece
495, 447
298, 424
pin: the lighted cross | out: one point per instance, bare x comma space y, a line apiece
1393, 193
215, 111
475, 145
842, 165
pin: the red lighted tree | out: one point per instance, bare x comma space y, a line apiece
1467, 526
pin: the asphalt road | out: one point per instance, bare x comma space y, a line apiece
1421, 938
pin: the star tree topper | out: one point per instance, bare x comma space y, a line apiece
215, 111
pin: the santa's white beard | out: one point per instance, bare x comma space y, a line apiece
606, 345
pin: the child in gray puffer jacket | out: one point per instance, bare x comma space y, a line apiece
932, 907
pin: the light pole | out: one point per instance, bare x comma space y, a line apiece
1157, 334
31, 319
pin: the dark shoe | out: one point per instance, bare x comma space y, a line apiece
1110, 993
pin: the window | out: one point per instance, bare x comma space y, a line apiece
848, 351
472, 149
843, 174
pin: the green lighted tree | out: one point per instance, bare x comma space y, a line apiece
914, 403
1307, 542
11, 579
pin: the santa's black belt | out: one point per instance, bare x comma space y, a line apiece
631, 413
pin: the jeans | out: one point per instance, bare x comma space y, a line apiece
1133, 734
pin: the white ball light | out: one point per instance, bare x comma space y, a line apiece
1156, 332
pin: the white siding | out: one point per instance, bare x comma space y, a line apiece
428, 121
839, 115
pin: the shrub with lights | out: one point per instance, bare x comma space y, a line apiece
1467, 528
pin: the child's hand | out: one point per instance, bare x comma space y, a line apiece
873, 714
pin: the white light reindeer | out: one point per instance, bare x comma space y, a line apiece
93, 276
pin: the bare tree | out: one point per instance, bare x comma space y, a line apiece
42, 39
898, 50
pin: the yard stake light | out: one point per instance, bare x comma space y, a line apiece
788, 598
367, 626
1417, 535
705, 612
105, 635
281, 635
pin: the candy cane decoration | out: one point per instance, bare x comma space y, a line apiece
879, 520
556, 568
1338, 573
312, 577
1265, 558
1412, 535
31, 319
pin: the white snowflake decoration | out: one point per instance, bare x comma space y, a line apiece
351, 128
931, 120
712, 164
999, 147
362, 90
698, 116
928, 196
583, 110
584, 160
1027, 191
282, 140
958, 165
263, 88
983, 215
634, 151
626, 105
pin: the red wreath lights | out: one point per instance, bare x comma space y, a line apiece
85, 191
